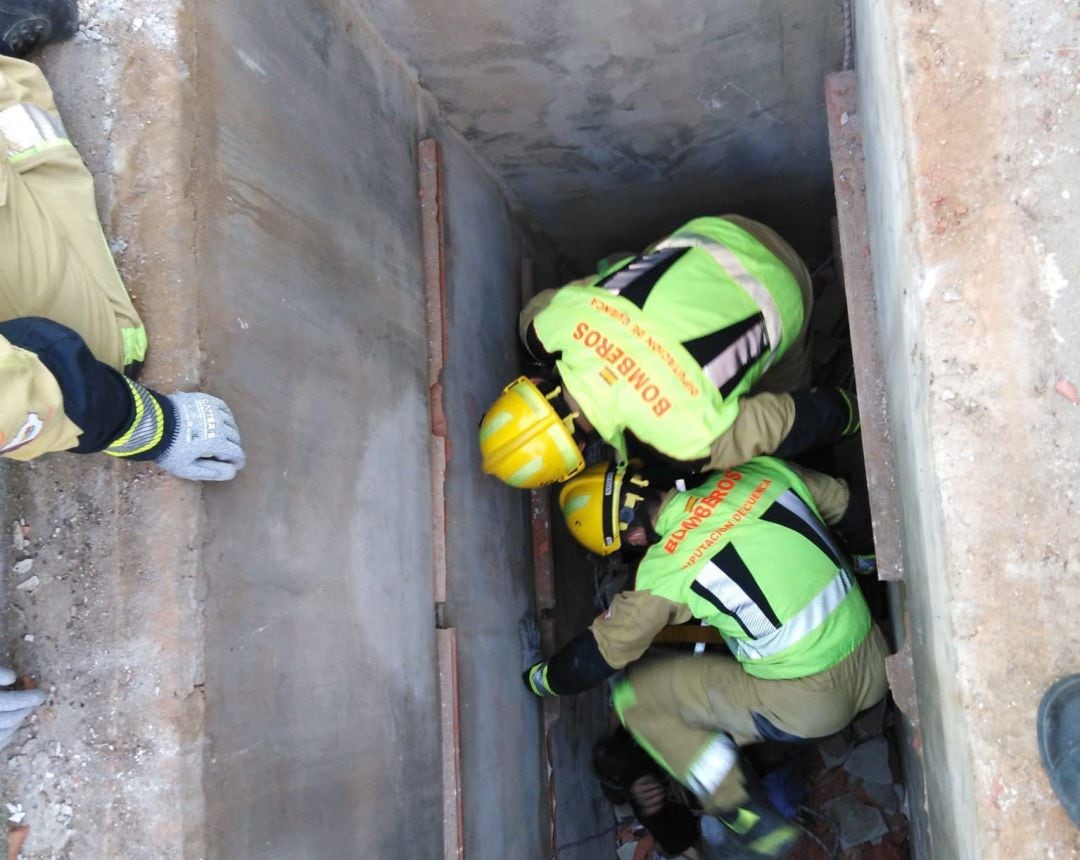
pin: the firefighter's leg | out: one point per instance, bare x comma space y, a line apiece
54, 260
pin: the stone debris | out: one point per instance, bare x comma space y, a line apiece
1067, 390
869, 762
884, 797
834, 750
29, 584
871, 723
20, 535
857, 823
23, 567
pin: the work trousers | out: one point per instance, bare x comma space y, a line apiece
54, 260
690, 713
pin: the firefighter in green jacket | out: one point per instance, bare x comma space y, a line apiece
683, 356
746, 551
71, 341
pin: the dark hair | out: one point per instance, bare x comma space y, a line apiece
617, 761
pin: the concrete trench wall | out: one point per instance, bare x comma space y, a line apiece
970, 144
249, 670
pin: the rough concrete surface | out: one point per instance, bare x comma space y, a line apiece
611, 122
110, 767
970, 134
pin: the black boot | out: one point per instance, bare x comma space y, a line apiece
1059, 742
29, 24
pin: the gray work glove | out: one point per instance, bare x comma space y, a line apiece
528, 640
15, 705
206, 446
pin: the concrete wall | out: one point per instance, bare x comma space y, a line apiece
970, 144
611, 122
321, 685
249, 670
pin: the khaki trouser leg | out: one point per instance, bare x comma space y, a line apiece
791, 372
54, 260
678, 708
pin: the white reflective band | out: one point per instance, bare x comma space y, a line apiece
811, 617
625, 277
734, 267
797, 506
712, 766
738, 355
731, 595
28, 127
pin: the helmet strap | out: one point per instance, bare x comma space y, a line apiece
637, 507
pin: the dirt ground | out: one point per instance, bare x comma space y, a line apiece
101, 601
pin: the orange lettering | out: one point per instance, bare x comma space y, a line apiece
638, 379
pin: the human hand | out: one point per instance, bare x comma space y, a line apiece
207, 442
529, 640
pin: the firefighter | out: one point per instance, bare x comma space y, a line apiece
748, 552
682, 356
68, 330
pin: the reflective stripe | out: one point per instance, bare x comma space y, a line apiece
722, 369
637, 280
711, 766
146, 428
797, 506
806, 621
30, 128
134, 340
734, 267
735, 601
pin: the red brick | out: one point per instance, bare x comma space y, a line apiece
884, 851
828, 787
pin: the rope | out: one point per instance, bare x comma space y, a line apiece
586, 840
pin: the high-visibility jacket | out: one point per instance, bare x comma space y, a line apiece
56, 396
664, 345
32, 419
747, 552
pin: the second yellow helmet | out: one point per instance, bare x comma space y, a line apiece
590, 505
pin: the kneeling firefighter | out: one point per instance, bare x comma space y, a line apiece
746, 551
680, 356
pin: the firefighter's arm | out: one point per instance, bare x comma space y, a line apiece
831, 495
56, 395
846, 510
527, 332
785, 425
616, 638
89, 407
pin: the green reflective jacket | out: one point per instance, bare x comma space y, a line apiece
747, 552
664, 344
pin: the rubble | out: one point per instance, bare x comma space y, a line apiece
869, 762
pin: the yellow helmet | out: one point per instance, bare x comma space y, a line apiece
590, 506
525, 442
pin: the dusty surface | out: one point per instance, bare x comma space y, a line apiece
611, 122
971, 151
110, 765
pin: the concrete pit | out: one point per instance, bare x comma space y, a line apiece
320, 659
